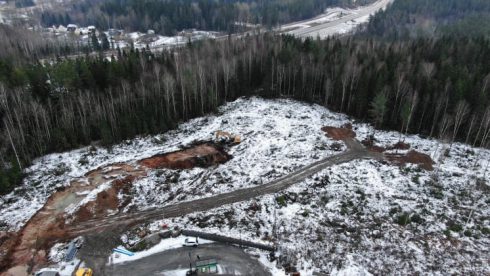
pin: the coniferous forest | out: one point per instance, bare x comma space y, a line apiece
169, 17
432, 85
406, 19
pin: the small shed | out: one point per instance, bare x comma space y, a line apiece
91, 29
207, 266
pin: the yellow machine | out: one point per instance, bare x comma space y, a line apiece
227, 136
84, 272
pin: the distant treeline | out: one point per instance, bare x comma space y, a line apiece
168, 17
433, 86
19, 45
405, 19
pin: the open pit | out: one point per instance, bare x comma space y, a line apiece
98, 194
28, 248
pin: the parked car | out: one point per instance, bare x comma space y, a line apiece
191, 241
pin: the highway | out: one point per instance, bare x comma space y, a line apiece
332, 27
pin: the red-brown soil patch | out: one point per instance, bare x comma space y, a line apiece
370, 145
203, 155
413, 157
29, 246
27, 249
339, 133
107, 201
400, 146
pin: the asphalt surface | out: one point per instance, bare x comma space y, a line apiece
314, 30
231, 259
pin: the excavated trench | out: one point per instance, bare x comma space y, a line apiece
200, 155
26, 250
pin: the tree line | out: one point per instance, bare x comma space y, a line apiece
19, 45
169, 17
406, 19
434, 86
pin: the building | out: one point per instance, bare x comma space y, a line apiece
71, 28
207, 266
91, 29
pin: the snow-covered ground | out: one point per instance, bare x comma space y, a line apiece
278, 137
360, 217
165, 244
366, 216
158, 42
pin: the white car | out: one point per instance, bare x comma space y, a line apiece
191, 241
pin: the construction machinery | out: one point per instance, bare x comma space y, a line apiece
84, 272
227, 137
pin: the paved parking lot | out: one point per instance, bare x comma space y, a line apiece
232, 260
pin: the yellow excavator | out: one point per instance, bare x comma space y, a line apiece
84, 272
223, 135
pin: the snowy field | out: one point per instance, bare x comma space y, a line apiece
360, 217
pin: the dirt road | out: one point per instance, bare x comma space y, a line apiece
355, 151
102, 234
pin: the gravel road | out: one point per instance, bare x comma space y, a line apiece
356, 151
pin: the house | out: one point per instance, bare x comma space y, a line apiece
91, 29
71, 28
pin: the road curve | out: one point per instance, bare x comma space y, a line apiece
365, 11
102, 235
355, 151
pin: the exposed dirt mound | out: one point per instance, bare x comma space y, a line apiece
202, 155
413, 157
400, 146
370, 145
340, 133
106, 201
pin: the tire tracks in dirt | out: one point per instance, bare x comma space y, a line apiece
355, 151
